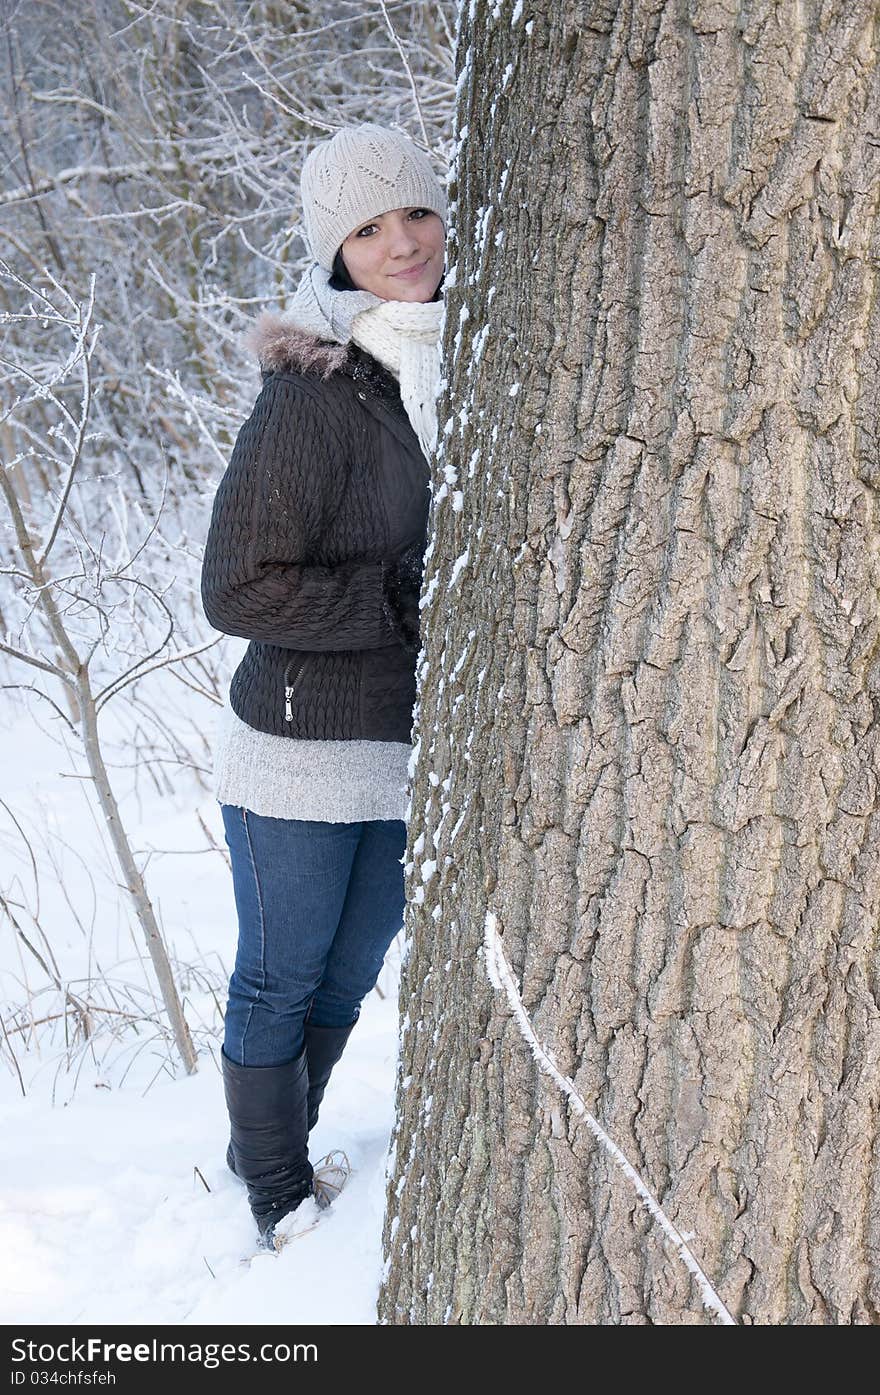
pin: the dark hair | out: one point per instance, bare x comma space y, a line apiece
341, 281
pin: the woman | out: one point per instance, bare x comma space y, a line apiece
314, 554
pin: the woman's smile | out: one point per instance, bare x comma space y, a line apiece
411, 271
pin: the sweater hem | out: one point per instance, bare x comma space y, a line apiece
327, 781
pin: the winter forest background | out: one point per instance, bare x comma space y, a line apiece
150, 159
638, 1074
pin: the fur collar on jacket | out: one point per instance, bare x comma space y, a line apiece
282, 346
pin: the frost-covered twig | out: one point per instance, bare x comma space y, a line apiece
83, 355
502, 979
13, 1057
136, 673
79, 172
403, 58
172, 381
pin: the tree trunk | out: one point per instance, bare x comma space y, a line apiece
648, 694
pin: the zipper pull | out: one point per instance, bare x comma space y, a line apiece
288, 705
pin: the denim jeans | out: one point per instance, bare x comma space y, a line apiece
318, 905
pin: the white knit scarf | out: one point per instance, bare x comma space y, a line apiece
403, 335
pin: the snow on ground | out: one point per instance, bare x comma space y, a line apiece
104, 1219
103, 1214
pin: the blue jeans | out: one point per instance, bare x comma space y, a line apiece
318, 905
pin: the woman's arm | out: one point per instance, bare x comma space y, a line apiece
286, 471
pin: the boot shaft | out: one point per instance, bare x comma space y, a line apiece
324, 1047
268, 1121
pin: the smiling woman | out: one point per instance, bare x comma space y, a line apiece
315, 555
397, 255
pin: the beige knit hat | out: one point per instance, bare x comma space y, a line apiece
359, 173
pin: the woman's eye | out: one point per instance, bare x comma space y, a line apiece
422, 212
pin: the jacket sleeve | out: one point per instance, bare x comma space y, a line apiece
287, 470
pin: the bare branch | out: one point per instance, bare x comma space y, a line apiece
50, 183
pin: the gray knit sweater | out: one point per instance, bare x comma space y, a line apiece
332, 781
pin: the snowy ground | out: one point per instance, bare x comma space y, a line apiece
103, 1214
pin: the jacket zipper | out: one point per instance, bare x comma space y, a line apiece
290, 688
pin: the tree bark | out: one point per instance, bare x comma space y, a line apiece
649, 689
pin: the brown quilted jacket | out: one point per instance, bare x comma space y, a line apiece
327, 484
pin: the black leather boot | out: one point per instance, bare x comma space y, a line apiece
324, 1047
269, 1134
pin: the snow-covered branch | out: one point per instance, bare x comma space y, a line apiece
76, 173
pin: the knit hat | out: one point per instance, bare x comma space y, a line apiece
359, 173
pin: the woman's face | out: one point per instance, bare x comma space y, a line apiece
375, 254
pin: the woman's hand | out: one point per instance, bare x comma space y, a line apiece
402, 584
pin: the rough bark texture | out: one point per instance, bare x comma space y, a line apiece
649, 696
